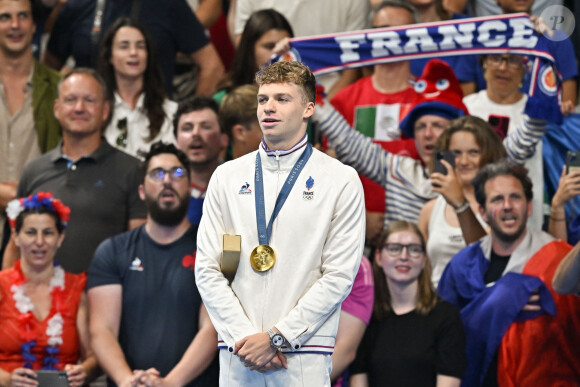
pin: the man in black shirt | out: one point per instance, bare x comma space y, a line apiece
148, 325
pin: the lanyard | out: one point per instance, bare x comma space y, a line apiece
263, 232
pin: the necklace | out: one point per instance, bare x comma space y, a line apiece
54, 318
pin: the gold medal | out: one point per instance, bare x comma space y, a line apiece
263, 258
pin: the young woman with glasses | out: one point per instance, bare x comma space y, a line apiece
414, 338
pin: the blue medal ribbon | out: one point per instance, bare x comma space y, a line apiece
263, 232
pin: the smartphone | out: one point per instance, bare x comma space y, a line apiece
51, 378
499, 124
572, 161
446, 155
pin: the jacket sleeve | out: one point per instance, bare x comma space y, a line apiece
223, 307
340, 261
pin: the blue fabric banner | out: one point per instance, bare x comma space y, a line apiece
484, 35
513, 33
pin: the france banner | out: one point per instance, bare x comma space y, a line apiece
513, 33
484, 35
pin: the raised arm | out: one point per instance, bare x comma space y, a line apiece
208, 11
352, 147
211, 69
449, 186
568, 187
521, 143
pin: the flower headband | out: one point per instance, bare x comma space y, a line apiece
34, 202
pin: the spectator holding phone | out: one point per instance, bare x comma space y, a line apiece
568, 188
438, 100
450, 221
43, 309
407, 181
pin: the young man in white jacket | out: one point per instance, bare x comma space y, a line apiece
278, 318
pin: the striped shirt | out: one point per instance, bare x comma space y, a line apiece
406, 180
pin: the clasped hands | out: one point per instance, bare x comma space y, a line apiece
145, 378
257, 354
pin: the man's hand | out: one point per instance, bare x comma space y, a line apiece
533, 302
255, 350
277, 362
150, 377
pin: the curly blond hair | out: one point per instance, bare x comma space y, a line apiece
289, 72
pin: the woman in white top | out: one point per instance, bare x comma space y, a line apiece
141, 114
450, 220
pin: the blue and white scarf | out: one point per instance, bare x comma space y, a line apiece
513, 33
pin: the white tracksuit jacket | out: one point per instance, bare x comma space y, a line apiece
318, 238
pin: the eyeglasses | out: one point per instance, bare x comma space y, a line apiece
122, 126
160, 173
512, 61
414, 250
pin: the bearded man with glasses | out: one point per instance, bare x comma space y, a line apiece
148, 324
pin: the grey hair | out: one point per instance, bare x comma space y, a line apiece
87, 71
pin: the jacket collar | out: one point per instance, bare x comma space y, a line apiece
282, 158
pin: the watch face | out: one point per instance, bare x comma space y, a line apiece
277, 340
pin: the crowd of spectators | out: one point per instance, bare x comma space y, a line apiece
468, 256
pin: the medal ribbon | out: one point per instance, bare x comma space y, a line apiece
263, 232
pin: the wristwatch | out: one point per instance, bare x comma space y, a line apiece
276, 339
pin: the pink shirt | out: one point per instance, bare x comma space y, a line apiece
359, 302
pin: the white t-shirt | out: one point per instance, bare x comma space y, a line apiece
138, 126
